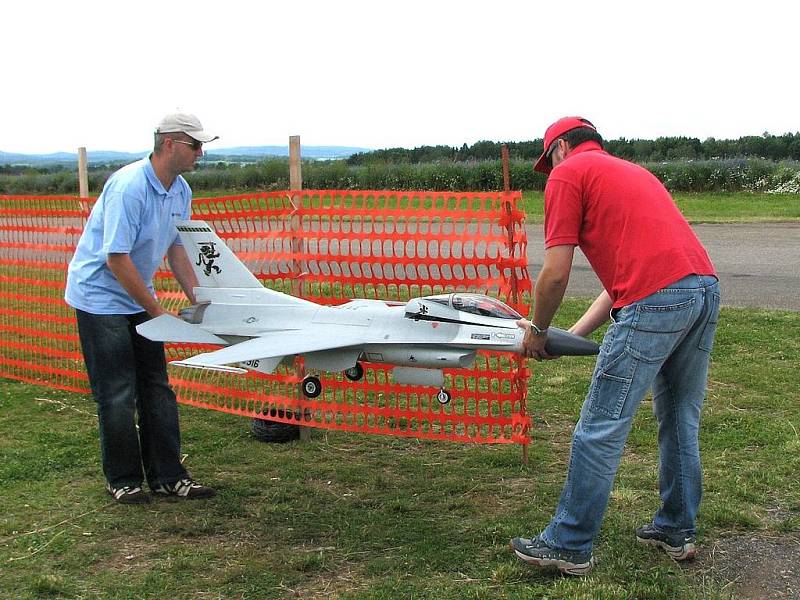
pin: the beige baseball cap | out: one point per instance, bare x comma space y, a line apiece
185, 123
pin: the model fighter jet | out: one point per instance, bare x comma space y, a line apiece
262, 328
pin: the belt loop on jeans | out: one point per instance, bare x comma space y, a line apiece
708, 280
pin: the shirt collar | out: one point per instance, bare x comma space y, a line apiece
587, 146
153, 179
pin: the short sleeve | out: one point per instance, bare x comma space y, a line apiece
563, 213
121, 222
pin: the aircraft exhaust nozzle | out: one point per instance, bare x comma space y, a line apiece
564, 343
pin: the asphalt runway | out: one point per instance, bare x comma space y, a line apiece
758, 263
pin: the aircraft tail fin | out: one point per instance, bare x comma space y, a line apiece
215, 264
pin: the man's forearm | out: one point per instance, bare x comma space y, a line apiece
551, 284
547, 297
594, 317
129, 278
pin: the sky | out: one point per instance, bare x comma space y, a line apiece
380, 74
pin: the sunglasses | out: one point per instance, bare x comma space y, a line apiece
195, 144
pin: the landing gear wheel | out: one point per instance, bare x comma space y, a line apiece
354, 373
443, 397
311, 387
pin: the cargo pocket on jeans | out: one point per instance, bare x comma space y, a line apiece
611, 385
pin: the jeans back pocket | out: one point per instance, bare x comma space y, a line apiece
657, 329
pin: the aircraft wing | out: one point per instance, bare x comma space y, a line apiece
284, 343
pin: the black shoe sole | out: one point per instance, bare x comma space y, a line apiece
139, 499
566, 567
177, 498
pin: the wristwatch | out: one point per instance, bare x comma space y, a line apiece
537, 331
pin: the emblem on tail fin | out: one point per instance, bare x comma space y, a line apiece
208, 253
213, 262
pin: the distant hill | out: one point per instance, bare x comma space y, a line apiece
104, 156
240, 153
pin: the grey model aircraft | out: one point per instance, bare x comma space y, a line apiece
261, 328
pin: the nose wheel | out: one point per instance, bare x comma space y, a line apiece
355, 373
443, 396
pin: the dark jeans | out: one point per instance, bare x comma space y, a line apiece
128, 375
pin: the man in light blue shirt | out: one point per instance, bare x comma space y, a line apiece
110, 284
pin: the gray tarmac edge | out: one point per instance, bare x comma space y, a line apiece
758, 263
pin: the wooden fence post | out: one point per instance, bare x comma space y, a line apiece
295, 165
83, 182
83, 173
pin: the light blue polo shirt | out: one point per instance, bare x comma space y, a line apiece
134, 215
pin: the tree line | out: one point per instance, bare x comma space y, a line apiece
767, 146
723, 175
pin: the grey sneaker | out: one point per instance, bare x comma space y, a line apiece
128, 494
536, 552
185, 488
678, 545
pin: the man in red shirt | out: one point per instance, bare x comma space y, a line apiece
662, 295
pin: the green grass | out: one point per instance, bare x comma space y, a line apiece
708, 208
371, 517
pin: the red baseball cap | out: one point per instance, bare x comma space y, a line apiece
555, 131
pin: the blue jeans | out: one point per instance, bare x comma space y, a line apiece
662, 341
128, 376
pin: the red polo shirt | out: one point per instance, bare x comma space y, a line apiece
624, 221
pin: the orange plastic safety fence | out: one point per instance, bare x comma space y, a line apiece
327, 246
38, 341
